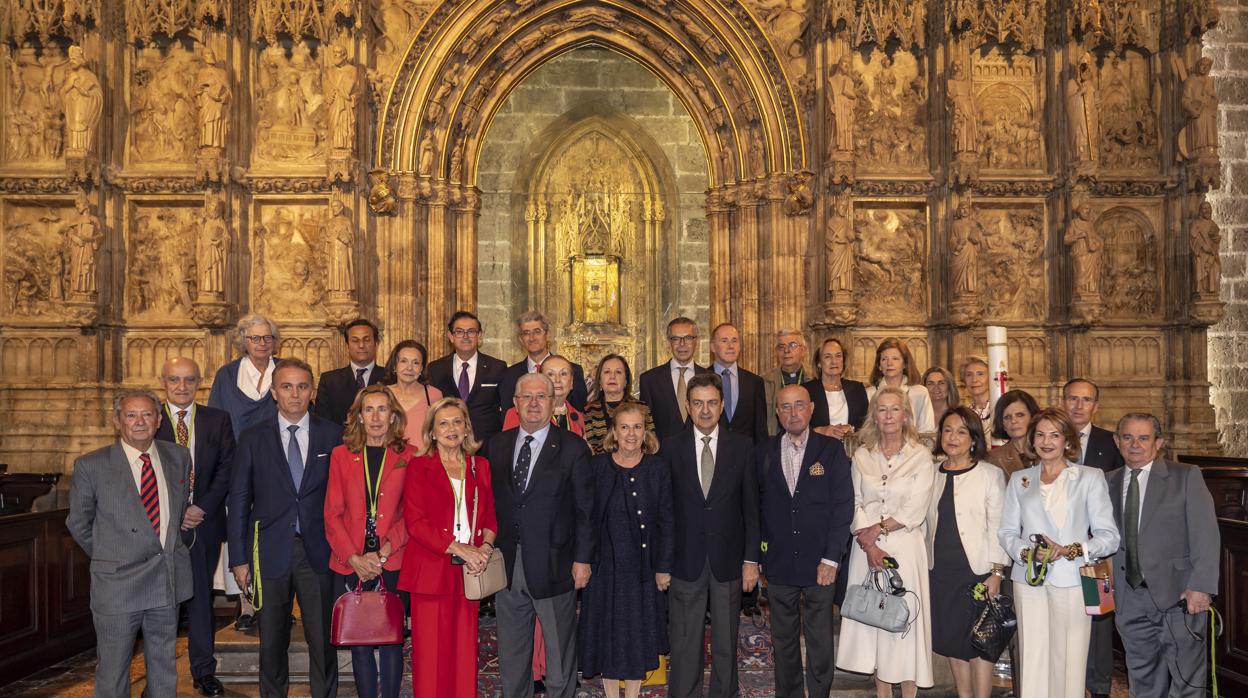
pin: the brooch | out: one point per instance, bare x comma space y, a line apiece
816, 469
1026, 483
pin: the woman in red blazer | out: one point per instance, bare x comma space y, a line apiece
446, 487
364, 519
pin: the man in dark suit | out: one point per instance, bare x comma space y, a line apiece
543, 495
715, 507
807, 504
208, 435
745, 409
1167, 564
790, 368
281, 467
470, 375
664, 388
126, 503
1081, 398
336, 389
534, 333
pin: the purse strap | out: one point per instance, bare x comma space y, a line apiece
476, 490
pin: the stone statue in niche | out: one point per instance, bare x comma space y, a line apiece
1129, 277
1086, 248
1198, 141
842, 101
82, 98
839, 239
889, 119
164, 125
964, 244
1128, 120
34, 121
381, 199
960, 101
212, 97
340, 238
891, 262
1204, 238
1082, 114
214, 250
290, 124
342, 91
85, 234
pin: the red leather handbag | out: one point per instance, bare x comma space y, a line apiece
367, 617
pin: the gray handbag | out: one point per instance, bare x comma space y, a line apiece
869, 604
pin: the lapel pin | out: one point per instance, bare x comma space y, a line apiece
1026, 483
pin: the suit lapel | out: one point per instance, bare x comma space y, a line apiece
482, 366
175, 486
275, 443
721, 465
312, 476
124, 477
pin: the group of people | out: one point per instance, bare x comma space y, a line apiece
626, 518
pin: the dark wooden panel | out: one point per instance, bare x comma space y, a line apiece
1229, 487
1232, 603
70, 573
20, 567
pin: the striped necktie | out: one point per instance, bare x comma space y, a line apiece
150, 493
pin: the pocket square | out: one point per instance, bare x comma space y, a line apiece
816, 469
489, 385
322, 455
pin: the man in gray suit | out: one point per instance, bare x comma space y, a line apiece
1167, 564
126, 504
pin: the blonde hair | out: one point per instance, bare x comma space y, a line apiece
869, 437
649, 443
470, 444
354, 435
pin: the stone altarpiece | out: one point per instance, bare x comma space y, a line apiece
877, 168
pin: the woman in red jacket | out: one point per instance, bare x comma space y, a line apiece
449, 509
364, 518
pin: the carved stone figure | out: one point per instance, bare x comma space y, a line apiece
82, 98
800, 198
214, 248
1204, 238
960, 99
340, 237
839, 240
842, 102
1082, 113
84, 234
425, 166
380, 196
1198, 141
1127, 115
891, 263
342, 90
291, 122
964, 244
1086, 248
212, 96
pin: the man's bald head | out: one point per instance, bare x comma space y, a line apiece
180, 378
794, 408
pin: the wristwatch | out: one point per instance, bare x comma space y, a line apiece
382, 559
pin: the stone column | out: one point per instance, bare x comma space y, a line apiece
718, 211
439, 293
398, 244
466, 206
746, 297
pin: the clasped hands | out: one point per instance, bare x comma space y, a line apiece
474, 557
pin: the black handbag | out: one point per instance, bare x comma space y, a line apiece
994, 628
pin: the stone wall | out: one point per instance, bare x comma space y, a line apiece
1227, 45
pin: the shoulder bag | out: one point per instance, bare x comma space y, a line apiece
494, 577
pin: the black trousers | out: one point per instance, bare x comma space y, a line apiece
205, 552
795, 612
316, 597
687, 618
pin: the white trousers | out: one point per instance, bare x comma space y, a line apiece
1053, 634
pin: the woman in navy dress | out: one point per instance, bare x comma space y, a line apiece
623, 624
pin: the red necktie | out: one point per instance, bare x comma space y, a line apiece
149, 493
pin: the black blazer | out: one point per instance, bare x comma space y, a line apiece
855, 400
723, 527
658, 392
812, 524
484, 408
1102, 452
261, 490
553, 518
336, 390
213, 458
750, 417
507, 386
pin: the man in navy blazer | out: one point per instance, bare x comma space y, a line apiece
807, 504
745, 405
664, 388
534, 333
471, 376
544, 498
207, 433
281, 468
336, 389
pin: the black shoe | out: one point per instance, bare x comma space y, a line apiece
539, 686
486, 609
208, 685
245, 622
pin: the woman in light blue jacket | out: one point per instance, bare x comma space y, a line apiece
1049, 510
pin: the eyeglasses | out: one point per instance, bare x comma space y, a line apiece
791, 346
683, 339
532, 397
260, 338
461, 332
533, 333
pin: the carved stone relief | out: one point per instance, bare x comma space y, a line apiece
289, 265
38, 258
890, 113
1011, 262
1083, 114
165, 104
1128, 115
891, 263
1204, 238
290, 109
161, 260
999, 21
840, 243
1087, 254
965, 242
1129, 268
212, 96
34, 118
788, 22
1008, 104
841, 96
342, 92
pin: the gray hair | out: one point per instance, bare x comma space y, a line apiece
533, 316
546, 382
785, 332
133, 393
248, 321
1140, 417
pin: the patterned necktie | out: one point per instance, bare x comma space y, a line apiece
708, 466
149, 493
294, 459
1131, 519
359, 377
464, 388
728, 406
183, 435
681, 392
537, 368
522, 463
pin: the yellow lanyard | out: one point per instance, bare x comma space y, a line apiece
459, 496
373, 492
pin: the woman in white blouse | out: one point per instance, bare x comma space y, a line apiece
840, 404
894, 367
1056, 502
892, 475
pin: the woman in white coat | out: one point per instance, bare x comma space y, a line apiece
894, 368
1055, 502
892, 474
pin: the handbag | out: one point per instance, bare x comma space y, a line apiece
493, 578
367, 617
1097, 580
869, 604
994, 628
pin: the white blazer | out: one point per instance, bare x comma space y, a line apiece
978, 497
1088, 507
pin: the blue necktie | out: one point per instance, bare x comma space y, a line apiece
523, 461
729, 408
294, 461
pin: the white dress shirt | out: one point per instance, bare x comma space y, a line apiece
697, 448
463, 526
162, 488
535, 447
1126, 484
735, 390
675, 366
1084, 434
301, 436
368, 370
531, 365
249, 376
458, 365
838, 408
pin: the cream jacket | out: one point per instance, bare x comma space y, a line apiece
978, 496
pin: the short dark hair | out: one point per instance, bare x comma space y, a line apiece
705, 380
362, 322
294, 363
979, 445
681, 320
460, 315
1003, 402
1096, 389
392, 376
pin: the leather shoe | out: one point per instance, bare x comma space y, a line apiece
245, 622
209, 686
539, 686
